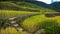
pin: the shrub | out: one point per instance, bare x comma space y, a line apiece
51, 26
52, 30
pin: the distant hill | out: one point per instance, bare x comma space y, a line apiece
42, 4
53, 6
24, 6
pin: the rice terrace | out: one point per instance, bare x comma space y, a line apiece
29, 17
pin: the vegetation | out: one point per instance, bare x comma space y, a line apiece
32, 24
5, 14
11, 13
35, 23
52, 30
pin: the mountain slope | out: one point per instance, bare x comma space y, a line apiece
42, 4
23, 6
18, 6
55, 6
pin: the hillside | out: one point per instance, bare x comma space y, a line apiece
39, 3
55, 6
22, 6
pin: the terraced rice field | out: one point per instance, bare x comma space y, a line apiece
31, 24
11, 13
5, 14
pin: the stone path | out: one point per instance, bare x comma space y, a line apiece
15, 22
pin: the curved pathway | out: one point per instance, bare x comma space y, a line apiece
15, 22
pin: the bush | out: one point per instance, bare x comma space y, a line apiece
51, 26
52, 30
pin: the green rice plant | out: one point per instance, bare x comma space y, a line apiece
58, 19
11, 13
5, 14
49, 22
50, 26
33, 23
37, 22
